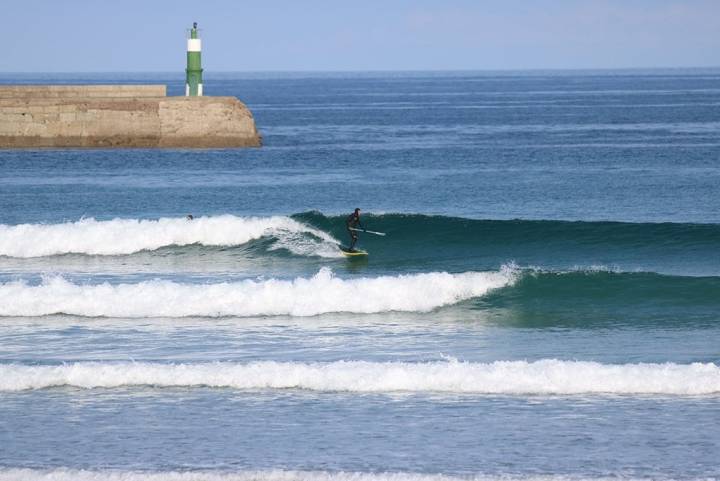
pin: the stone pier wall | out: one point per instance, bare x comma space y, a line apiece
120, 116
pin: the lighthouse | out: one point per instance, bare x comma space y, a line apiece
193, 72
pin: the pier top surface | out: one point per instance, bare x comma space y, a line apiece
81, 91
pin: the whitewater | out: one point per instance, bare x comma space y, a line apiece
127, 236
322, 293
544, 377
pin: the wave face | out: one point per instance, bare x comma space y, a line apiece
493, 232
607, 288
319, 294
545, 377
413, 238
128, 236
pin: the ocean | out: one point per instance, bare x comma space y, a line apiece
545, 304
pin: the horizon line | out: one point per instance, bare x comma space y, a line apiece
278, 71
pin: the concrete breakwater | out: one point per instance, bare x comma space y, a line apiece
120, 116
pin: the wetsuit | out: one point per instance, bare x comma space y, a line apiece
353, 221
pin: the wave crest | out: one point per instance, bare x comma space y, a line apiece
128, 236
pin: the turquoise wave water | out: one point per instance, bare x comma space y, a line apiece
416, 241
601, 298
619, 287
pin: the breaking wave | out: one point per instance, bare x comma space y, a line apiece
128, 236
319, 294
544, 377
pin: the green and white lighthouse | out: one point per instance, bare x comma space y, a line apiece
193, 72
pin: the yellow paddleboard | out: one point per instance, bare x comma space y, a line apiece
351, 253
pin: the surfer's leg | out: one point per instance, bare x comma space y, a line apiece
354, 239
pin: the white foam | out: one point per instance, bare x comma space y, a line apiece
127, 236
544, 377
319, 294
62, 474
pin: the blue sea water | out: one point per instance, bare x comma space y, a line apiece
545, 304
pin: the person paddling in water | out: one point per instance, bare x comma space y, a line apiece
353, 222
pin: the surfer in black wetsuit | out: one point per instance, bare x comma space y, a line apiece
353, 222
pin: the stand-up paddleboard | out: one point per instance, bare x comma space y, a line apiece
353, 252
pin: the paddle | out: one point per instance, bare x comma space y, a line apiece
368, 231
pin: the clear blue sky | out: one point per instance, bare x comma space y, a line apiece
243, 35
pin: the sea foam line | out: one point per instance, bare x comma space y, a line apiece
544, 377
128, 236
319, 294
66, 474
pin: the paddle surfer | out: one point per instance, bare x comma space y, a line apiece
353, 222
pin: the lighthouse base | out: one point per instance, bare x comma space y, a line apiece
199, 90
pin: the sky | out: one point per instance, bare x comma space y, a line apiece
339, 35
